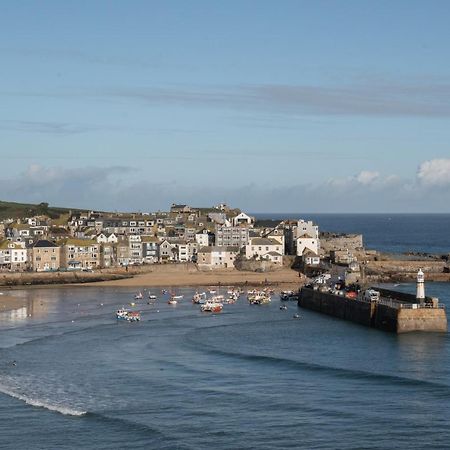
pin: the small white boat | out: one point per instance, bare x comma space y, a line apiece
138, 296
172, 301
151, 297
177, 297
129, 316
199, 298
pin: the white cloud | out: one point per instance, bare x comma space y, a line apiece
435, 172
367, 177
124, 188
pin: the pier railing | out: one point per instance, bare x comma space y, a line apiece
391, 302
401, 305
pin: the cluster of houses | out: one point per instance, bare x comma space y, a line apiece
210, 237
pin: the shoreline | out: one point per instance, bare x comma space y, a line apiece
160, 276
178, 275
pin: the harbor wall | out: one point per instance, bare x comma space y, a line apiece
372, 314
421, 320
330, 242
337, 306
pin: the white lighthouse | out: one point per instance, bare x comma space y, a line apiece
420, 286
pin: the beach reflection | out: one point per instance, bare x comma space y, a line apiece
34, 307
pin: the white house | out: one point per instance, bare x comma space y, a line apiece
202, 238
307, 242
13, 255
310, 258
217, 257
242, 218
265, 248
275, 257
135, 248
19, 256
307, 227
183, 251
107, 238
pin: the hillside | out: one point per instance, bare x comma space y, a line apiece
16, 210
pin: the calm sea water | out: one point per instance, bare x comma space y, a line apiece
252, 377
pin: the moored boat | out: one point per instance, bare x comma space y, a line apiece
211, 306
199, 298
288, 295
129, 316
259, 298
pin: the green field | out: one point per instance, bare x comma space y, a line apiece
20, 210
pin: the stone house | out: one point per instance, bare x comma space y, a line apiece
80, 254
215, 257
45, 255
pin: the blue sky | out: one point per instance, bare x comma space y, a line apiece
317, 106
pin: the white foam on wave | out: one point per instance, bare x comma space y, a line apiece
62, 409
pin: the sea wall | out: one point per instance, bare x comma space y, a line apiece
421, 320
46, 278
375, 315
404, 266
351, 242
337, 306
252, 265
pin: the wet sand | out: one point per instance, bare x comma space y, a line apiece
10, 302
284, 278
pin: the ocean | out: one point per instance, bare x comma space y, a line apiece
251, 377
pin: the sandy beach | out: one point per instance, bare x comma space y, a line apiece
284, 278
161, 275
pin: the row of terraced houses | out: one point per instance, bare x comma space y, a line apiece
210, 237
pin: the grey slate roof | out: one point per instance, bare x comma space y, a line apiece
44, 243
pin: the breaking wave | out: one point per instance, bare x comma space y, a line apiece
37, 403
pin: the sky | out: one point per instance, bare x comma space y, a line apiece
270, 106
